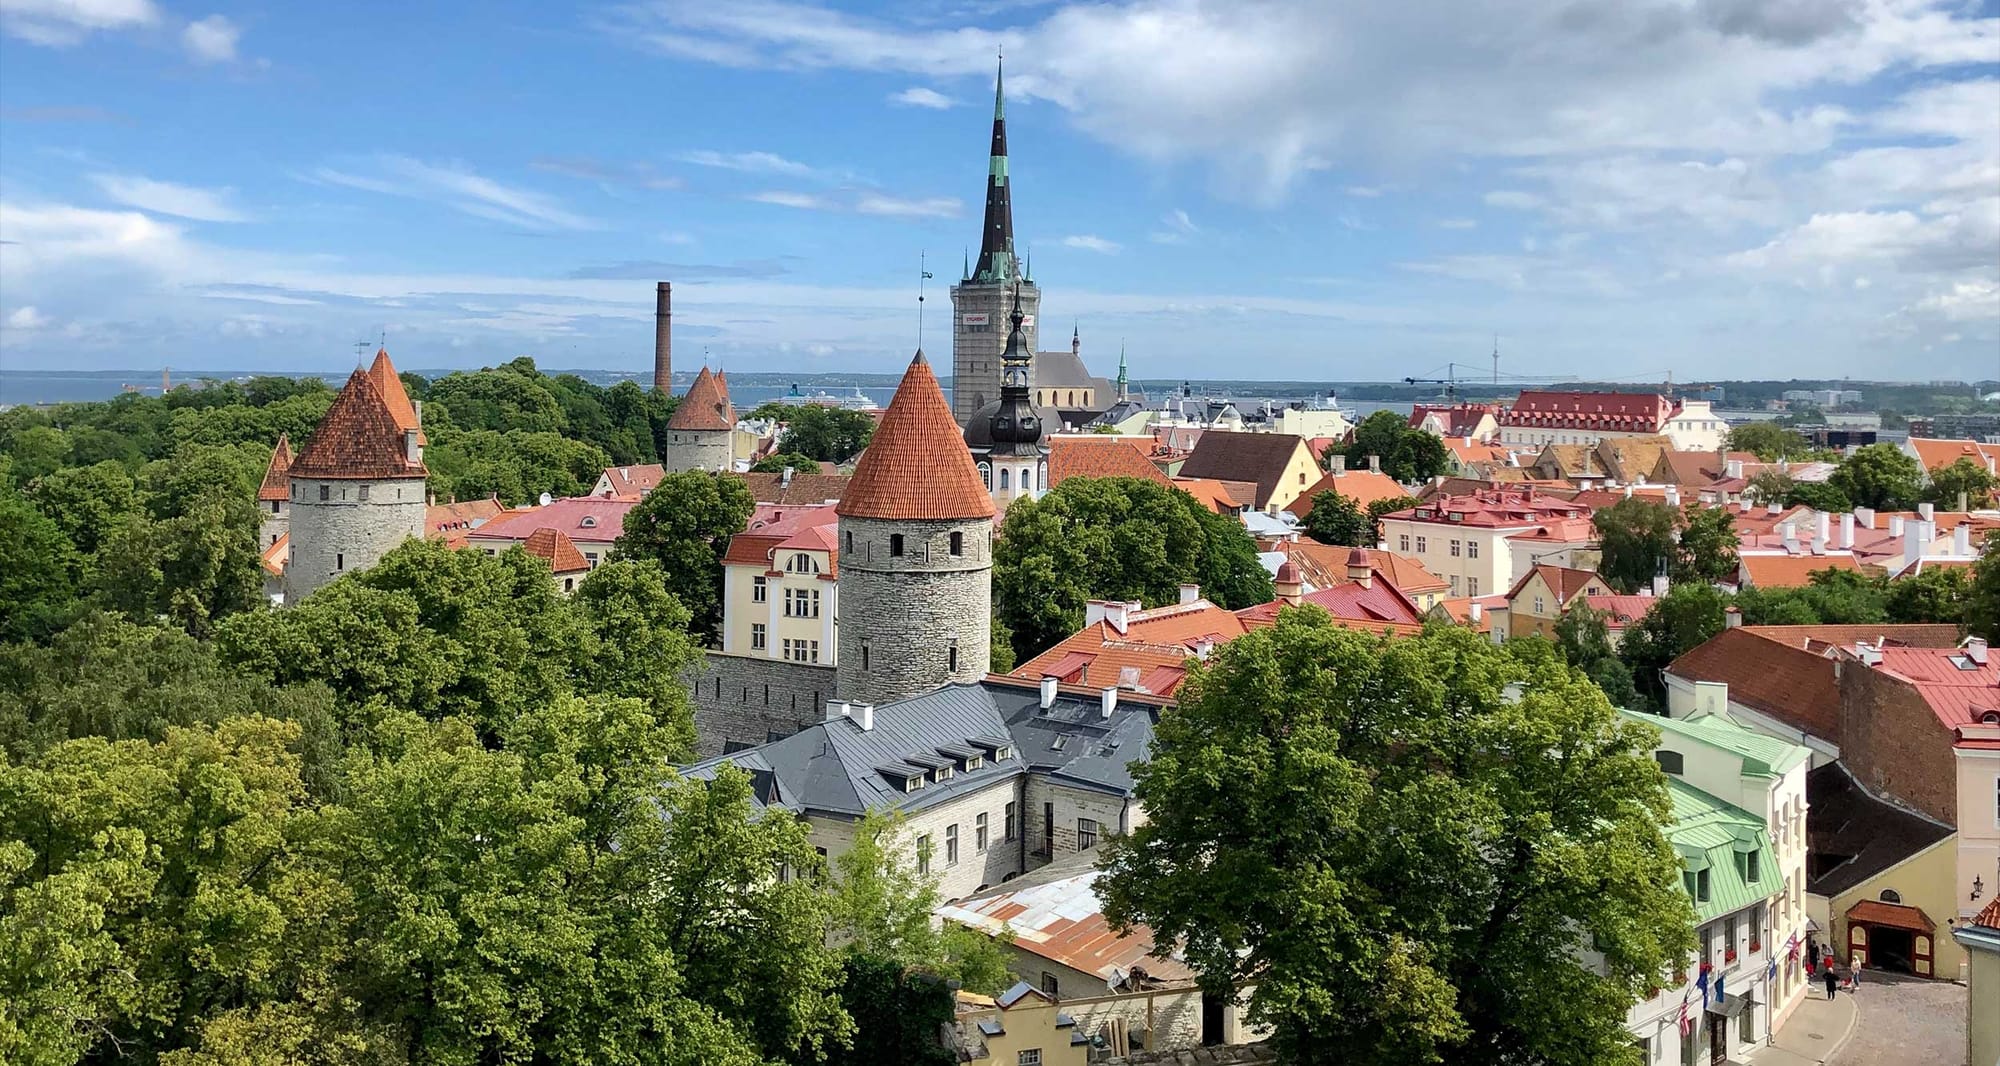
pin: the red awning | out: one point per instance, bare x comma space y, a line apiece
1893, 915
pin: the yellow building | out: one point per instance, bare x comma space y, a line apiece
1883, 889
1537, 602
1022, 1027
779, 593
1980, 937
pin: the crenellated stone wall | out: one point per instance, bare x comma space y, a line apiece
749, 700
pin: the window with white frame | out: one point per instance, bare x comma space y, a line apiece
757, 637
801, 563
1403, 542
1420, 544
924, 854
1472, 549
801, 603
1454, 547
760, 589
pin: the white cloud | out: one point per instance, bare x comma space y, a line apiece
1963, 302
211, 40
168, 198
749, 162
1179, 227
896, 207
918, 96
801, 200
1513, 199
59, 23
26, 318
1090, 242
458, 187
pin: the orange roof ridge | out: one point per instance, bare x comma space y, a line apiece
391, 385
358, 438
917, 466
277, 474
555, 546
706, 405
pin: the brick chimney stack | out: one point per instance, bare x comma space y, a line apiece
663, 339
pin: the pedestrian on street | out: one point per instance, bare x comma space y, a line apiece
1854, 977
1832, 979
1812, 955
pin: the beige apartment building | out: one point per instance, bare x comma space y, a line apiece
780, 591
1464, 539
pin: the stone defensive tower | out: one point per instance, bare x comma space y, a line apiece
274, 496
995, 282
701, 432
916, 555
357, 488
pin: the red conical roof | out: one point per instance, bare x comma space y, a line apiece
383, 372
917, 466
358, 438
706, 406
278, 475
555, 546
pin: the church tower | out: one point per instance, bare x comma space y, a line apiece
979, 302
701, 431
1008, 438
357, 487
916, 555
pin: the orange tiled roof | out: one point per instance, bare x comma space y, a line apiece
1564, 581
635, 479
1785, 681
1325, 565
386, 379
1209, 491
1935, 453
1152, 651
358, 438
706, 405
453, 522
917, 466
277, 476
1990, 916
1100, 456
1362, 486
275, 557
803, 489
558, 549
1791, 571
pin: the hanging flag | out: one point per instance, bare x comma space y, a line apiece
1719, 997
1686, 1023
1792, 948
1701, 982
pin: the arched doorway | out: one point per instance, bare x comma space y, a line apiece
1891, 936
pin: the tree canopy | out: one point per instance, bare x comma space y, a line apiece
1769, 441
822, 433
1879, 476
1358, 827
1114, 538
1408, 454
684, 525
1337, 519
1640, 536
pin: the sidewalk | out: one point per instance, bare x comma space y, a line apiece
1816, 1029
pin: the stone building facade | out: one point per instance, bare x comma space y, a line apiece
917, 601
356, 490
274, 496
741, 701
979, 335
701, 431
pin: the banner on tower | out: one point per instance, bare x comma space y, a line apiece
978, 319
1027, 321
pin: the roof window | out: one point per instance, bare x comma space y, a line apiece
589, 521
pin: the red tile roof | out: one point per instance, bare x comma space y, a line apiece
1560, 531
1893, 915
1495, 508
1212, 493
917, 466
1787, 682
1152, 651
1564, 581
1376, 605
1819, 638
358, 438
1963, 692
803, 528
1990, 916
801, 490
1459, 610
1259, 458
1603, 411
1325, 565
1935, 453
595, 520
1622, 611
275, 556
453, 521
1459, 419
1791, 571
634, 480
558, 549
706, 405
1362, 486
383, 372
277, 475
1101, 456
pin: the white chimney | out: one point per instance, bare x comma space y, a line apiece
1117, 615
1660, 585
1895, 525
1924, 511
1822, 527
1732, 468
1773, 508
1473, 610
1048, 692
1375, 463
1673, 495
412, 451
1190, 592
864, 716
1107, 701
1975, 649
1337, 464
1865, 516
1961, 541
1847, 531
836, 710
1916, 540
1732, 617
1094, 611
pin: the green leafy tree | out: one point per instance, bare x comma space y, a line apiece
1583, 635
1771, 442
511, 397
1336, 519
684, 525
898, 1013
1830, 597
1982, 593
1707, 548
638, 644
882, 906
826, 434
1114, 538
1938, 594
194, 568
1385, 506
1407, 454
779, 462
38, 571
1880, 476
1637, 536
1818, 495
1353, 825
37, 451
1001, 660
1686, 616
1962, 478
87, 502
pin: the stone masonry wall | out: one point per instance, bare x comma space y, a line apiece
899, 614
975, 350
748, 700
343, 532
1171, 1017
274, 524
1000, 861
1069, 804
1893, 743
698, 450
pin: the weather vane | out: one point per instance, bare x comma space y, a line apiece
923, 275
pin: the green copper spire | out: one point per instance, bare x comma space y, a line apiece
999, 97
1121, 370
996, 240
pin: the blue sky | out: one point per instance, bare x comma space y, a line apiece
1721, 188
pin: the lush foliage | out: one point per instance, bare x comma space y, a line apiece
1583, 634
1769, 441
779, 462
1687, 615
1879, 476
1114, 538
1981, 595
822, 433
1963, 478
684, 525
1641, 536
1337, 519
1407, 454
1401, 851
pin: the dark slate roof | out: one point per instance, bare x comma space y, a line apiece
1258, 457
837, 768
1852, 835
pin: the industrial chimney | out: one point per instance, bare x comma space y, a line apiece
663, 339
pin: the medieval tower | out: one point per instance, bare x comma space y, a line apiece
274, 496
980, 301
701, 431
357, 488
916, 555
1008, 438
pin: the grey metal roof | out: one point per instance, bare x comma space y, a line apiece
1852, 835
838, 768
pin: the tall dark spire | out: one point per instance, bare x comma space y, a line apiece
996, 241
1015, 428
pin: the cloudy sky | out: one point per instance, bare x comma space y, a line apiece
1363, 189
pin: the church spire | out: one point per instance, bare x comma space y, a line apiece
996, 241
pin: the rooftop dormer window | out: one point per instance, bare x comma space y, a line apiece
589, 522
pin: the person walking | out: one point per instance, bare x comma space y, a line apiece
1812, 955
1827, 974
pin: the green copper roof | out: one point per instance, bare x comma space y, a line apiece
1762, 755
1710, 834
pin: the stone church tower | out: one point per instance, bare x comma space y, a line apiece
701, 431
357, 488
980, 301
1008, 438
916, 555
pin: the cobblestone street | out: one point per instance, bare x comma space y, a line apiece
1905, 1021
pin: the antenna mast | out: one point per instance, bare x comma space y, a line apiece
1496, 359
923, 275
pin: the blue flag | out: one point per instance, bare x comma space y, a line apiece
1701, 982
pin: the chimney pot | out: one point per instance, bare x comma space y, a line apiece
1048, 692
1107, 701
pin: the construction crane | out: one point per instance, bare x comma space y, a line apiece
1450, 380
